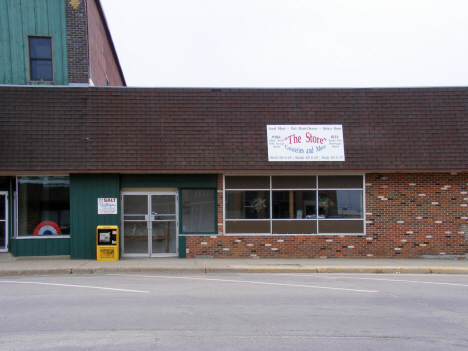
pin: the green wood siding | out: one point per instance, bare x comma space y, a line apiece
85, 189
40, 247
182, 247
22, 18
169, 181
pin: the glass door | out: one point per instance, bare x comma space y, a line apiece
149, 224
163, 225
3, 221
135, 224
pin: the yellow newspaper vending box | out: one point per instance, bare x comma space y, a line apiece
107, 242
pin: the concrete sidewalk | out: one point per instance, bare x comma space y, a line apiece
12, 266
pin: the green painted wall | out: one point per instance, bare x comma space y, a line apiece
39, 247
85, 189
182, 247
22, 18
169, 181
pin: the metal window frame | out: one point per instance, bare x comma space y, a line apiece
316, 188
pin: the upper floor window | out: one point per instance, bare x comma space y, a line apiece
40, 58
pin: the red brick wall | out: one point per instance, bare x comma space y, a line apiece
408, 215
101, 57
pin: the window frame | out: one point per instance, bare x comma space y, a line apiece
316, 188
31, 59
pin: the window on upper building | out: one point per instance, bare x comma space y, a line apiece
40, 59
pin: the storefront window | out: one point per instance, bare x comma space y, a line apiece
299, 205
340, 204
43, 205
294, 204
248, 204
199, 211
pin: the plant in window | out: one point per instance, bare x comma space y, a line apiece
325, 202
258, 204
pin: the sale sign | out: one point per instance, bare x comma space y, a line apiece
107, 206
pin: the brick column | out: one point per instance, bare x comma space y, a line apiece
220, 204
77, 41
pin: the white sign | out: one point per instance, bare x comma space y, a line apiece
305, 143
107, 205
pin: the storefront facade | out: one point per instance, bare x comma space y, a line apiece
300, 216
188, 173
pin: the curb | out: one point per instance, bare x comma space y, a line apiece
207, 270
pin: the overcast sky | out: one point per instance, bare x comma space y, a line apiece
290, 43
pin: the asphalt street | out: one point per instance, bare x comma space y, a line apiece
302, 311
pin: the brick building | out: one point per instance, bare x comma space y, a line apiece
214, 172
194, 172
57, 42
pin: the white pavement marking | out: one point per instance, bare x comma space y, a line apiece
250, 282
73, 286
378, 279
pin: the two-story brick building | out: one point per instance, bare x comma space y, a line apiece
57, 42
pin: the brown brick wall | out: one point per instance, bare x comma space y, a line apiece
408, 215
77, 42
101, 56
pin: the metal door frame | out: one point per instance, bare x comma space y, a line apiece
6, 221
149, 224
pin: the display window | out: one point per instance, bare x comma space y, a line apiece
198, 211
294, 204
242, 204
43, 206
